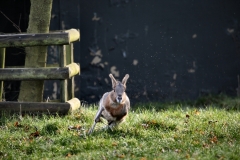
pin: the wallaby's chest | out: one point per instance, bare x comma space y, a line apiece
115, 112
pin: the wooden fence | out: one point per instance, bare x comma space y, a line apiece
65, 71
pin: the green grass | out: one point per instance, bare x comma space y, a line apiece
173, 132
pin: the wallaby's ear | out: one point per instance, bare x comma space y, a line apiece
114, 82
124, 81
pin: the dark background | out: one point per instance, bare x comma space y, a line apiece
173, 50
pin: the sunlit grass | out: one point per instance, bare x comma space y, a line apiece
174, 132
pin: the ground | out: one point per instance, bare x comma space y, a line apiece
151, 131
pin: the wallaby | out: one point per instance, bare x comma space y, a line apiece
113, 105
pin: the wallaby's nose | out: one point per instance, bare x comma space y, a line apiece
119, 98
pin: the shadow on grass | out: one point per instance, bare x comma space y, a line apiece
220, 101
153, 124
117, 133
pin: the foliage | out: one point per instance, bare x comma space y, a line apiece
174, 132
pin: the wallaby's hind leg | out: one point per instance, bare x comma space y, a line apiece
96, 119
111, 125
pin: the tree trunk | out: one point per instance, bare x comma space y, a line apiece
39, 21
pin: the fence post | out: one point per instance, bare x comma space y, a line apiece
65, 71
2, 65
63, 83
69, 58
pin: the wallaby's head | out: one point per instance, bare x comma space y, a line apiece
119, 88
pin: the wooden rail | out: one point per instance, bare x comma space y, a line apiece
40, 107
39, 39
40, 73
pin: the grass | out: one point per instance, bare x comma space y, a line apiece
154, 131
